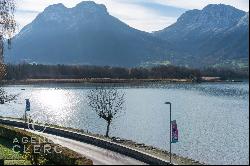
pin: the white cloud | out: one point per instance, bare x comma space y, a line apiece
24, 18
133, 14
139, 17
199, 4
129, 11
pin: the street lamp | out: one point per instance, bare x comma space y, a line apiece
170, 127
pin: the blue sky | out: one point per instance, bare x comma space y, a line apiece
146, 15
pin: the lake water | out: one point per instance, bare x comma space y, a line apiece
213, 118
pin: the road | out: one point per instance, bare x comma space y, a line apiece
99, 156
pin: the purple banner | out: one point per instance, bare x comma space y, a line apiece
175, 135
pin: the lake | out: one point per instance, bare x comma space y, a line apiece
213, 118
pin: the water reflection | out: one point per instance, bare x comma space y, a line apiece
213, 118
55, 100
55, 104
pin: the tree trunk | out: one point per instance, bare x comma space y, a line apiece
108, 127
2, 69
1, 49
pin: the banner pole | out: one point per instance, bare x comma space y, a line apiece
25, 116
170, 133
25, 112
170, 130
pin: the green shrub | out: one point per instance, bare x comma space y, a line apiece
66, 157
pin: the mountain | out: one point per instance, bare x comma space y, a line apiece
84, 34
215, 35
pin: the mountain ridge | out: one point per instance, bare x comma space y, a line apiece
86, 37
206, 35
88, 34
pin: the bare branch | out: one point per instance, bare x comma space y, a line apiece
108, 103
7, 23
4, 97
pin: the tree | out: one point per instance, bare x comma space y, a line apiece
2, 71
4, 97
108, 103
7, 28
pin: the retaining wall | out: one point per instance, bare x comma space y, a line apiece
138, 155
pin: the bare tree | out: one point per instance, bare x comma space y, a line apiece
4, 97
108, 103
7, 28
2, 71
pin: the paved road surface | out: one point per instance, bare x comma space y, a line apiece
98, 155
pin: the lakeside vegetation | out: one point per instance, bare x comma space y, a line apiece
33, 149
151, 150
10, 157
38, 71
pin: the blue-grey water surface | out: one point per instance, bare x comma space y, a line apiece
213, 118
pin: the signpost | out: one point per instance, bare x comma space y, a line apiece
173, 131
27, 108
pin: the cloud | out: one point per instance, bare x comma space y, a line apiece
146, 15
199, 4
139, 16
136, 15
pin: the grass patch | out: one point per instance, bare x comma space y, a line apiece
66, 157
9, 156
6, 151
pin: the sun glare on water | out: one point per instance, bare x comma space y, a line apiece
54, 99
55, 102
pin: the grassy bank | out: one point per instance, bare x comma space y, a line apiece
11, 137
161, 153
8, 156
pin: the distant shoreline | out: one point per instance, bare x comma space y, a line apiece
95, 80
107, 80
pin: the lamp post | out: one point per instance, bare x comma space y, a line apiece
170, 127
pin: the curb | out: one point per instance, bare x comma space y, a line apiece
138, 155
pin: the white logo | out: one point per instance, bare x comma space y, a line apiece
37, 122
